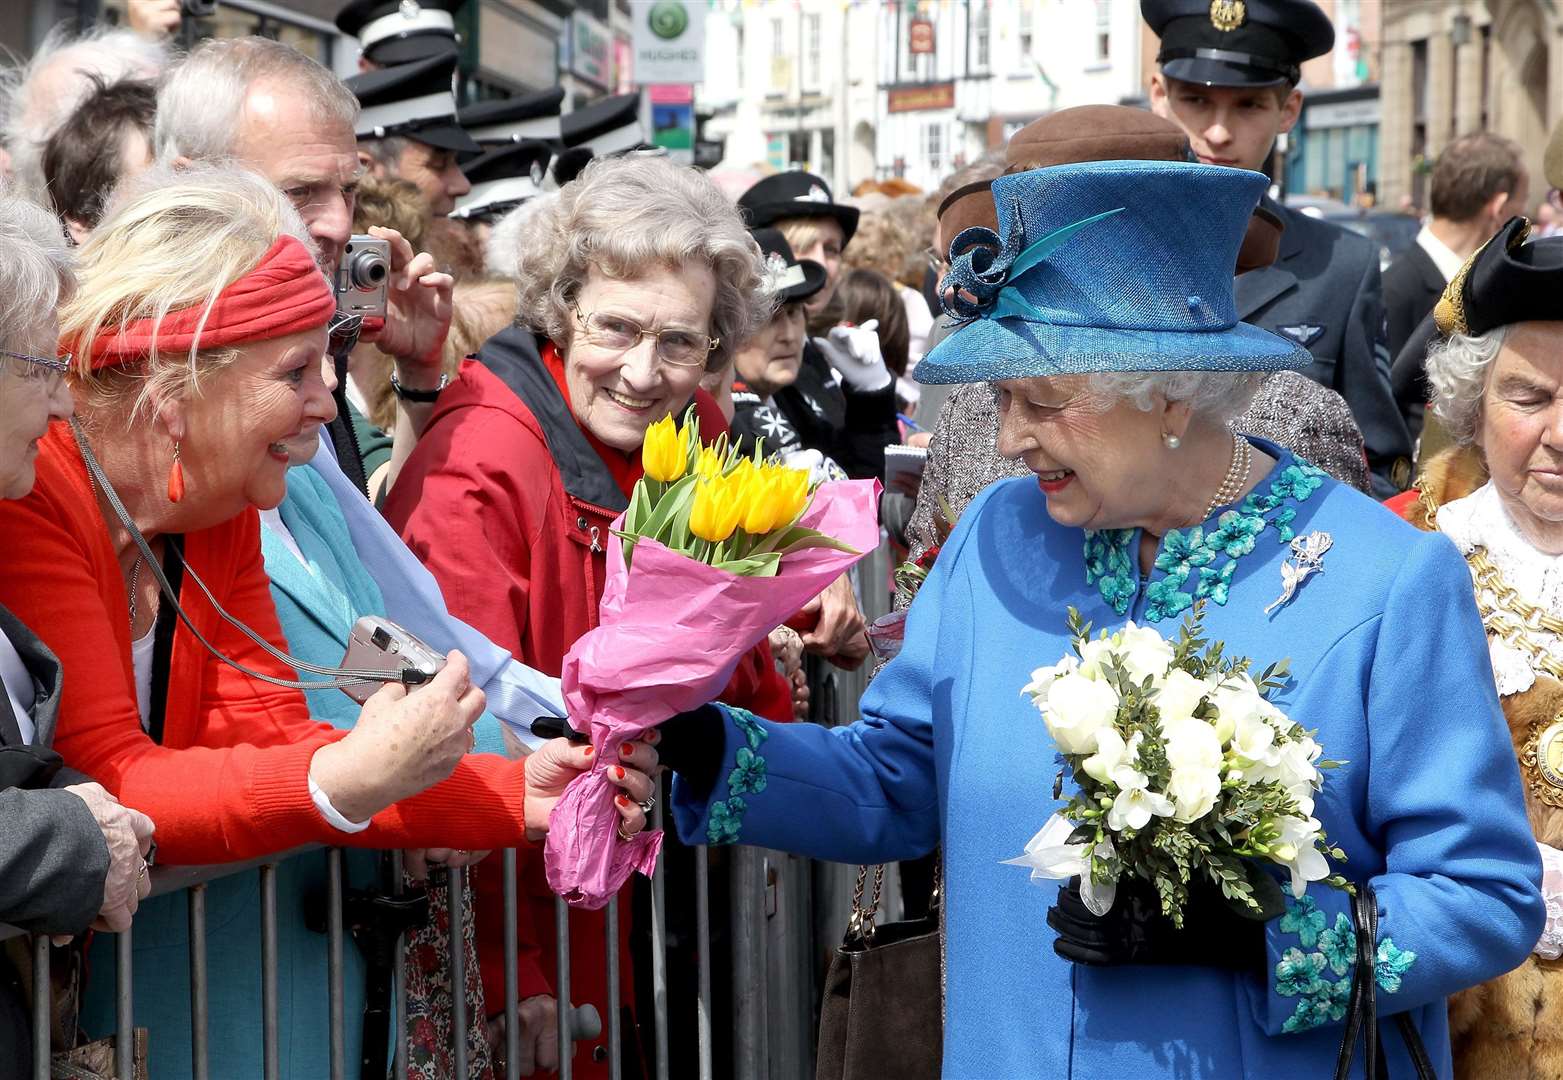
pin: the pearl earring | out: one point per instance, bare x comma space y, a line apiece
1172, 441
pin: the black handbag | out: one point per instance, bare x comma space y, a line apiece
1362, 1009
883, 1009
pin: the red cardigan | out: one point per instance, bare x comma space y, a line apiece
230, 780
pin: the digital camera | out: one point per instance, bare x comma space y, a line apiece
364, 277
378, 644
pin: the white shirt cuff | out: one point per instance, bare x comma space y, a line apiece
333, 817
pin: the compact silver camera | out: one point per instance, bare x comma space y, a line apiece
364, 277
378, 644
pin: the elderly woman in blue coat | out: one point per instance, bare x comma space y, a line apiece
1118, 360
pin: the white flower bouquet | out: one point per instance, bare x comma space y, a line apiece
1184, 770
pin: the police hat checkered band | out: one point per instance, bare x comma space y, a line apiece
815, 194
381, 120
512, 189
539, 127
408, 19
1105, 266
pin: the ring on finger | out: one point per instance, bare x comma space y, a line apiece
143, 871
624, 835
645, 807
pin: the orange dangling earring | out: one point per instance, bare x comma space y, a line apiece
176, 478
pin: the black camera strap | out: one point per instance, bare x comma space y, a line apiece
333, 678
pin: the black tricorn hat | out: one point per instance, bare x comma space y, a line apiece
785, 276
1237, 42
1506, 281
794, 195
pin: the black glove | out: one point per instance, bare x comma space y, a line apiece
1135, 931
691, 745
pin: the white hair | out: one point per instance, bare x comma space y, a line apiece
200, 105
502, 249
36, 270
1215, 395
40, 95
1457, 371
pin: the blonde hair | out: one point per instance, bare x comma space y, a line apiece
621, 218
173, 239
802, 233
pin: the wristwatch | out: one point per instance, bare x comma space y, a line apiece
423, 397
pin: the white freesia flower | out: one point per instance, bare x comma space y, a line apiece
1179, 694
1052, 858
1253, 745
1298, 851
1236, 699
1296, 763
1042, 680
1112, 754
1077, 708
1094, 655
1135, 803
1194, 793
1144, 651
1098, 899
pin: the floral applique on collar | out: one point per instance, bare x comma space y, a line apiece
1205, 556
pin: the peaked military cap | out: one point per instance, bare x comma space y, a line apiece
795, 194
511, 120
1507, 281
1237, 42
399, 31
503, 178
413, 100
609, 126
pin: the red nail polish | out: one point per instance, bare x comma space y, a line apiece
618, 772
589, 751
621, 800
627, 750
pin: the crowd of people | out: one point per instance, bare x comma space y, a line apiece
213, 467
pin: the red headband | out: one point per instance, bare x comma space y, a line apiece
283, 294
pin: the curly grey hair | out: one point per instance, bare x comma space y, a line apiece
1215, 395
36, 271
623, 216
1457, 370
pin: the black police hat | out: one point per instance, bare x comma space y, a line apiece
413, 100
1506, 281
795, 195
606, 127
1237, 42
400, 31
508, 120
786, 277
503, 178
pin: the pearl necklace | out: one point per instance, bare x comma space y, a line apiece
1237, 475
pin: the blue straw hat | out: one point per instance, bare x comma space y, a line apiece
1105, 266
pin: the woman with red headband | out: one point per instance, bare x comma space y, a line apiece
199, 336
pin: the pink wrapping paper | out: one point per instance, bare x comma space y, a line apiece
669, 636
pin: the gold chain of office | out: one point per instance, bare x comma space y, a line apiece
1511, 618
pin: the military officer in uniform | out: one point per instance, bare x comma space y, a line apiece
392, 32
1228, 76
407, 129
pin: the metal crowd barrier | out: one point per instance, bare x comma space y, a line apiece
787, 914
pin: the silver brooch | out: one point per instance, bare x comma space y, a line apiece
1307, 557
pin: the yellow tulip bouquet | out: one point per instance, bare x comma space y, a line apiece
718, 548
729, 510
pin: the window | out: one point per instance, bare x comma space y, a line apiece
933, 148
811, 55
778, 40
1027, 25
1104, 27
980, 33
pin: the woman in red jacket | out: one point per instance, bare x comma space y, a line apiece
199, 333
640, 278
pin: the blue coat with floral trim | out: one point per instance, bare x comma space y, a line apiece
1389, 663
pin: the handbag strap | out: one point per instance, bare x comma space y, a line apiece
860, 924
1362, 1009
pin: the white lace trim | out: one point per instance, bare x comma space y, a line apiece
1480, 520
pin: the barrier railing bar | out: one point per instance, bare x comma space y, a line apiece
512, 978
41, 1011
659, 947
703, 948
334, 963
198, 986
457, 906
124, 1026
562, 987
271, 1065
399, 1011
615, 1027
750, 1004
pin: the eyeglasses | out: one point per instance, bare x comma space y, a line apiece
935, 259
42, 369
620, 334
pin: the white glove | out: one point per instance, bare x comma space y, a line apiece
1550, 947
854, 352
